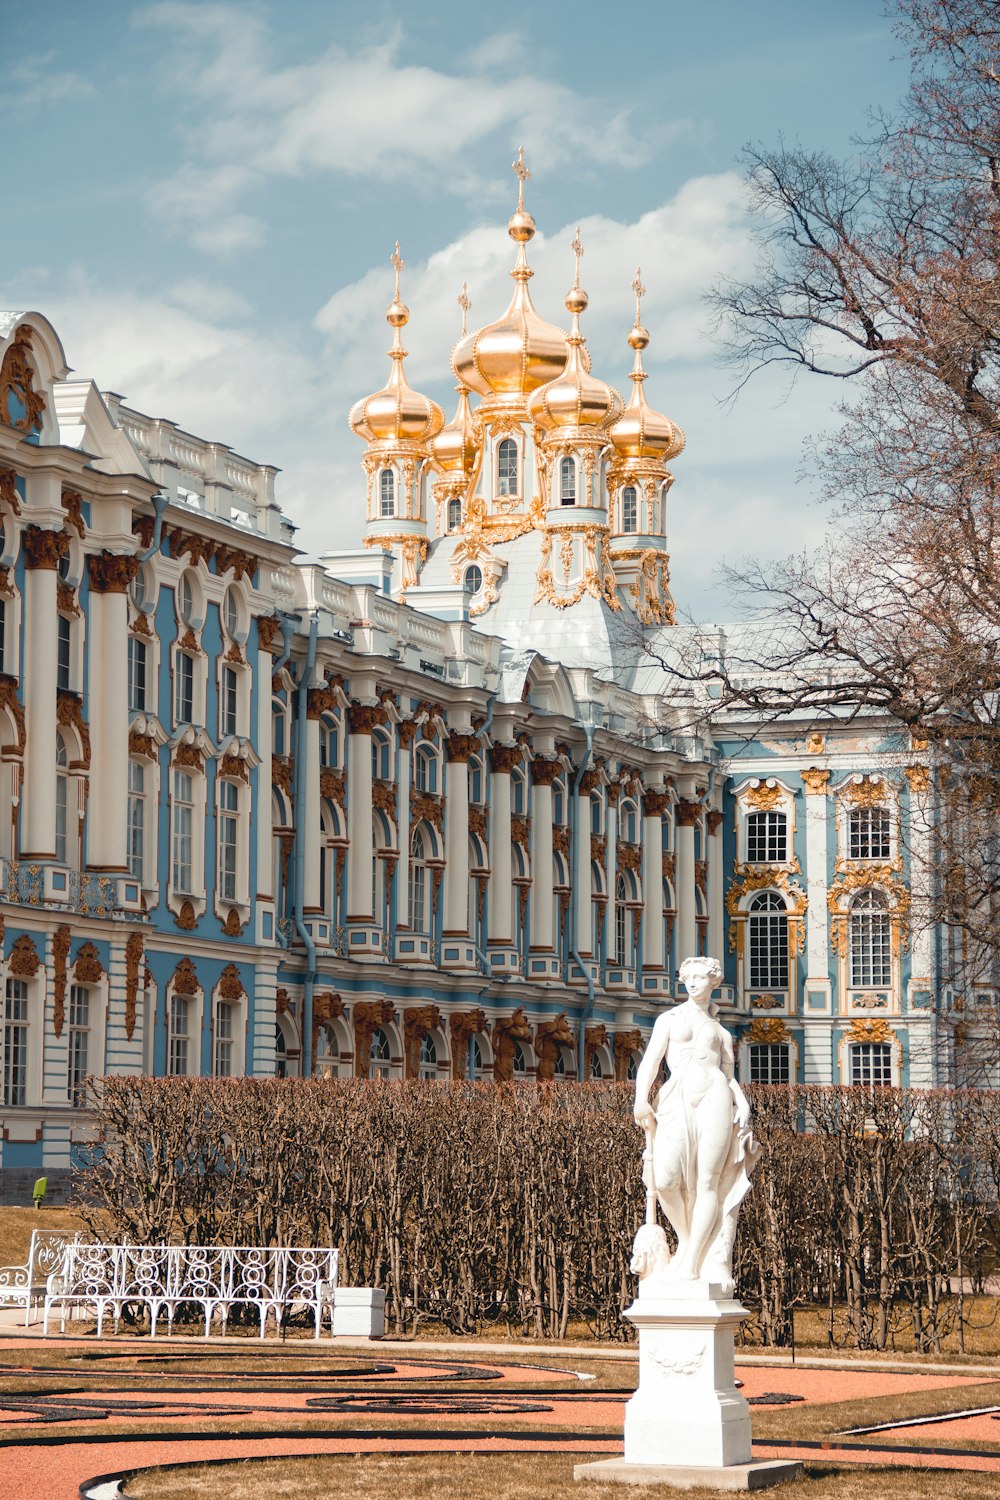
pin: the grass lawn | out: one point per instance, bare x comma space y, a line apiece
16, 1225
506, 1477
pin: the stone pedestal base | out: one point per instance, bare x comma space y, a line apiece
359, 1312
687, 1412
752, 1476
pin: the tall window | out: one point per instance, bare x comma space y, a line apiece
567, 482
229, 808
428, 1059
767, 838
64, 653
231, 614
78, 1044
519, 791
507, 467
425, 769
628, 822
3, 632
281, 1052
15, 1043
454, 514
136, 819
387, 493
183, 833
418, 881
179, 1037
378, 1056
224, 1040
630, 508
136, 674
381, 756
767, 942
62, 800
871, 1065
768, 1062
329, 742
871, 941
621, 922
185, 599
476, 781
184, 689
868, 833
228, 699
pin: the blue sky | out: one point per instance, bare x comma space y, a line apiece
208, 195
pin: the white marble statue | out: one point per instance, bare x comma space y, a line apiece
700, 1149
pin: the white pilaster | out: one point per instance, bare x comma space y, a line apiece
817, 932
687, 929
263, 819
38, 821
501, 903
652, 885
456, 843
108, 709
359, 818
716, 887
583, 894
310, 834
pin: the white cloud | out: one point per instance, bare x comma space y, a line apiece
32, 84
365, 113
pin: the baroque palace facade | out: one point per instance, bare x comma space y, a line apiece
430, 808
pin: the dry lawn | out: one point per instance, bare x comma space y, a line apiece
533, 1476
16, 1225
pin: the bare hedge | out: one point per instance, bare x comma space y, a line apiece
477, 1205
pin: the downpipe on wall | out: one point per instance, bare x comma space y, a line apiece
300, 847
585, 970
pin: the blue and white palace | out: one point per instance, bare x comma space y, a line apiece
430, 808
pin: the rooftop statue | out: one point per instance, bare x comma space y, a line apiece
700, 1149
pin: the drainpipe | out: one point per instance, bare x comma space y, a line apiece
288, 624
160, 503
588, 1009
300, 849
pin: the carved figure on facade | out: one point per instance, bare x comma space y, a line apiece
43, 549
17, 387
230, 984
464, 1025
23, 962
626, 1045
593, 1038
185, 978
133, 959
418, 1022
508, 1032
550, 1038
8, 490
368, 1016
60, 954
767, 1030
700, 1149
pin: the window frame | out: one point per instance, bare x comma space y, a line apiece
507, 475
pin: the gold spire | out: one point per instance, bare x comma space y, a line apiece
642, 432
576, 400
576, 298
464, 303
397, 413
520, 225
522, 174
455, 449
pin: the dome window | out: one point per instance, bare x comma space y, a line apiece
473, 581
454, 514
630, 509
387, 493
507, 467
567, 482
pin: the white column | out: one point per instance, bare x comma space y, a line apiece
501, 902
543, 773
310, 834
687, 929
583, 894
405, 736
262, 812
38, 818
817, 937
653, 806
359, 814
611, 866
921, 867
107, 647
456, 838
716, 888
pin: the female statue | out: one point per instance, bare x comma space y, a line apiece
700, 1149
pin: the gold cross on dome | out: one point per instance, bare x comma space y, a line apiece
576, 245
640, 292
395, 259
522, 174
464, 302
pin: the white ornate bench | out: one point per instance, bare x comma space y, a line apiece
106, 1278
25, 1285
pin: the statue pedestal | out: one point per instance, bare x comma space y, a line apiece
687, 1424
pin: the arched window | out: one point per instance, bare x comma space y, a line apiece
185, 599
454, 514
595, 1067
520, 1063
868, 833
327, 1063
329, 742
473, 580
278, 726
425, 769
518, 791
596, 813
378, 1056
559, 802
871, 941
280, 1053
387, 493
136, 819
631, 1068
419, 904
622, 955
630, 508
629, 822
567, 482
767, 942
428, 1066
767, 838
507, 467
62, 800
477, 783
381, 755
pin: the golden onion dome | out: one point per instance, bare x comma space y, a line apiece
576, 399
396, 413
642, 432
512, 357
456, 447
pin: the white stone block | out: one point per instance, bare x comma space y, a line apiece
359, 1312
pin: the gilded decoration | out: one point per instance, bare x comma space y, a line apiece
668, 866
282, 1002
240, 564
72, 504
141, 625
142, 745
815, 744
520, 829
66, 601
230, 984
418, 1022
333, 786
427, 807
561, 839
281, 773
362, 718
767, 1030
688, 813
133, 958
750, 878
544, 772
10, 701
701, 876
232, 926
655, 804
185, 919
269, 637
384, 797
598, 575
866, 791
599, 849
763, 796
185, 980
17, 381
43, 549
325, 699
69, 715
478, 823
88, 968
870, 1029
593, 1038
23, 962
8, 490
508, 1031
189, 756
367, 1016
550, 1037
919, 778
464, 1025
767, 1002
627, 1043
650, 592
630, 857
234, 768
851, 879
815, 780
143, 527
60, 954
459, 747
